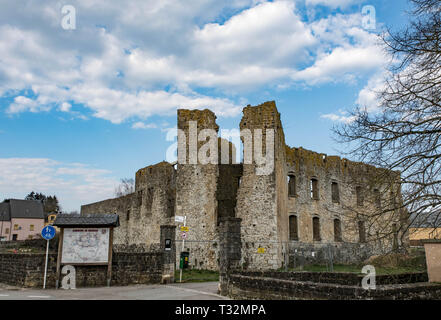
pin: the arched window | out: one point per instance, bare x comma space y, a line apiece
335, 192
377, 198
316, 229
292, 192
361, 231
395, 236
314, 189
293, 228
337, 230
359, 194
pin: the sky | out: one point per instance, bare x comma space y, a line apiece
90, 88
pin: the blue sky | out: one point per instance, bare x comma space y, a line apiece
82, 108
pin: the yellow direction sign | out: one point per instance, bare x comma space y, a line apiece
184, 229
260, 250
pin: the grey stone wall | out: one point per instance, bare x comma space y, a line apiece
283, 286
259, 199
196, 193
379, 220
142, 212
27, 270
168, 233
301, 254
230, 249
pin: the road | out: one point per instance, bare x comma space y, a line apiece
177, 291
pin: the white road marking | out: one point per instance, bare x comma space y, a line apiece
4, 295
39, 296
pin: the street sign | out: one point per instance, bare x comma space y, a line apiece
48, 232
184, 235
179, 219
184, 229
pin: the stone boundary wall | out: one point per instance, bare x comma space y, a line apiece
343, 252
39, 244
264, 288
27, 270
344, 278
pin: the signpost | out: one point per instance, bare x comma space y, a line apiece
184, 230
47, 233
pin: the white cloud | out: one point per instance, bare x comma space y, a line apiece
332, 3
142, 125
72, 183
367, 99
65, 107
342, 62
341, 116
154, 57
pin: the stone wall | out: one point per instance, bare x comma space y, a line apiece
27, 270
320, 286
259, 199
31, 244
196, 190
343, 278
301, 254
120, 206
378, 189
142, 212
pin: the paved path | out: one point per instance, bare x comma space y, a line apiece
177, 291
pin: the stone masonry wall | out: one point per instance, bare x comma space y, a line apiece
305, 165
142, 212
196, 187
120, 206
269, 288
27, 270
259, 202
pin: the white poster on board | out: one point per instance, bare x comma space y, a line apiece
85, 245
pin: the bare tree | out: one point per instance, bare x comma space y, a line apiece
404, 135
126, 187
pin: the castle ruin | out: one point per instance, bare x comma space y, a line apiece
310, 203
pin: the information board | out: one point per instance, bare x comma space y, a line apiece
85, 246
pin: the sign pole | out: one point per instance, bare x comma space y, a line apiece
45, 265
183, 244
47, 233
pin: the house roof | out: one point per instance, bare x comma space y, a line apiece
15, 208
88, 220
5, 213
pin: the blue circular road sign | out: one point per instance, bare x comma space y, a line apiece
48, 232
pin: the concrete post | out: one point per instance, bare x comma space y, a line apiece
433, 259
168, 249
230, 250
